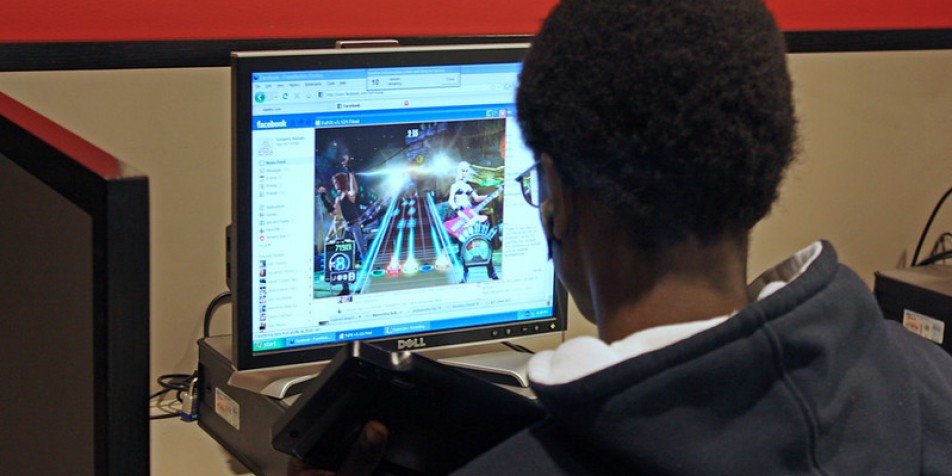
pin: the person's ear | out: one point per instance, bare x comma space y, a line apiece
558, 208
548, 217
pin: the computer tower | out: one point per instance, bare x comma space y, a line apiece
239, 419
920, 298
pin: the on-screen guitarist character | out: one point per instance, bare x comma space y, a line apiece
344, 207
345, 210
462, 197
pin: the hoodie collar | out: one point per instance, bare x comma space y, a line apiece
585, 355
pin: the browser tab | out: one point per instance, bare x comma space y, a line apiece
410, 78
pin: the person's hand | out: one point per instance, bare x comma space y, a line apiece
347, 159
363, 458
321, 189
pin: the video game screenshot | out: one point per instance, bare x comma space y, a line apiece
405, 206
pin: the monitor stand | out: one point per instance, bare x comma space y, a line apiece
495, 363
506, 367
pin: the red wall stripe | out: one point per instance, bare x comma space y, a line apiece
80, 150
112, 20
794, 15
115, 20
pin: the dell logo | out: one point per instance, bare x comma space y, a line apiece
411, 343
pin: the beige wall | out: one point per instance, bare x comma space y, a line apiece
876, 155
876, 132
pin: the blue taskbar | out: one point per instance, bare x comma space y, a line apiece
392, 330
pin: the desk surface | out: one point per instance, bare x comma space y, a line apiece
182, 448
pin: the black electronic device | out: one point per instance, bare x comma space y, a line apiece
360, 149
74, 302
920, 298
438, 417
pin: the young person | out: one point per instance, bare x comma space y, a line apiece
662, 131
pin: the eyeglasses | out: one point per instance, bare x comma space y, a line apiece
529, 184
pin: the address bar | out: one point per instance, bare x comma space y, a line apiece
402, 93
358, 104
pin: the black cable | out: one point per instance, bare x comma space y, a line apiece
925, 231
939, 245
177, 383
185, 383
212, 306
935, 258
163, 416
517, 347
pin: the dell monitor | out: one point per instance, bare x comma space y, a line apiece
375, 199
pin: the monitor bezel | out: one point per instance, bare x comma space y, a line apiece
115, 197
239, 242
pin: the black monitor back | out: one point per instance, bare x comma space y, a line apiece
74, 303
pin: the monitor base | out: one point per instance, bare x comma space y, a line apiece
495, 363
506, 367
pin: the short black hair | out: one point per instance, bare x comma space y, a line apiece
677, 114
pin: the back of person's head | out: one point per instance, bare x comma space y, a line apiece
676, 114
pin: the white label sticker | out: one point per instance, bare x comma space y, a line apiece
227, 408
925, 326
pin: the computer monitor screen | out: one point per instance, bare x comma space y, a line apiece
374, 198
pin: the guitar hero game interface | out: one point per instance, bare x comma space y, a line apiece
412, 205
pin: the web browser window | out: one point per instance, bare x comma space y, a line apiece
385, 204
